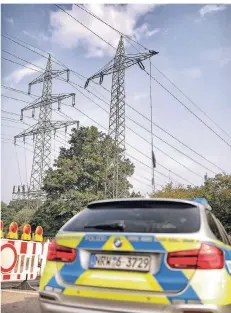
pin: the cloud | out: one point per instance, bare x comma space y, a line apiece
19, 74
211, 8
193, 72
152, 32
69, 34
37, 37
9, 20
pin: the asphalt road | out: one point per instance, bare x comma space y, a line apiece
19, 301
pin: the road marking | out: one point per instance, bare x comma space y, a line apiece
22, 292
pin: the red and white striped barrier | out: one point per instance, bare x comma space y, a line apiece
20, 259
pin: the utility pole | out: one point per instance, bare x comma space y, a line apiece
117, 67
42, 131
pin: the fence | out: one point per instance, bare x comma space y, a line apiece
22, 259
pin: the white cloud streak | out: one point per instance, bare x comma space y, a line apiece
19, 74
211, 8
9, 20
69, 34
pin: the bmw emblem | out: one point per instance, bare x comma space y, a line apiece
118, 242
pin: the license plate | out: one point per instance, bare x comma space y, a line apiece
120, 262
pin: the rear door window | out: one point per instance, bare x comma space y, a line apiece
213, 226
222, 230
137, 217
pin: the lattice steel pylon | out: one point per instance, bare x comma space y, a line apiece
42, 131
117, 67
117, 119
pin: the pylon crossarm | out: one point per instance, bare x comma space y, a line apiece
30, 131
59, 124
48, 75
127, 61
40, 101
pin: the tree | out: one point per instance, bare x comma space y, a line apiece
79, 177
24, 216
82, 167
216, 190
7, 215
20, 211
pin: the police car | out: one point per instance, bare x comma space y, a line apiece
139, 255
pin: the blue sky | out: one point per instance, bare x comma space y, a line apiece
194, 52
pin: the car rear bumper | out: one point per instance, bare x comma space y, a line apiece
51, 302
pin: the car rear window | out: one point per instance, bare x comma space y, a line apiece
138, 217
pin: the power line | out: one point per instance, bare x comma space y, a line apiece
106, 129
11, 113
156, 147
18, 91
155, 81
18, 166
102, 127
23, 147
21, 59
11, 126
21, 65
85, 26
188, 109
158, 127
148, 130
13, 120
145, 140
131, 39
15, 99
18, 43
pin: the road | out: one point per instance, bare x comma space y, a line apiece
19, 301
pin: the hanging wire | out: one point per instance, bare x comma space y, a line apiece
18, 165
25, 165
27, 186
152, 151
54, 147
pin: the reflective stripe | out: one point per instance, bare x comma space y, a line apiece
160, 284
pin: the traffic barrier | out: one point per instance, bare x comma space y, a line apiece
13, 231
20, 259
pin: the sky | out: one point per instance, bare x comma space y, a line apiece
194, 48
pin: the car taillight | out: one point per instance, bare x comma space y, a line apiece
208, 257
59, 253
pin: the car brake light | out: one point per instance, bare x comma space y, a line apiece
59, 253
207, 257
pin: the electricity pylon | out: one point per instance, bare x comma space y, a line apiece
42, 131
117, 67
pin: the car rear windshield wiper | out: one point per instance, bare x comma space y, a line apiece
115, 226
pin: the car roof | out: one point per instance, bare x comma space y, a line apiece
189, 201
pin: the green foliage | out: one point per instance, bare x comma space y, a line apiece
7, 214
82, 167
216, 190
78, 177
24, 216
